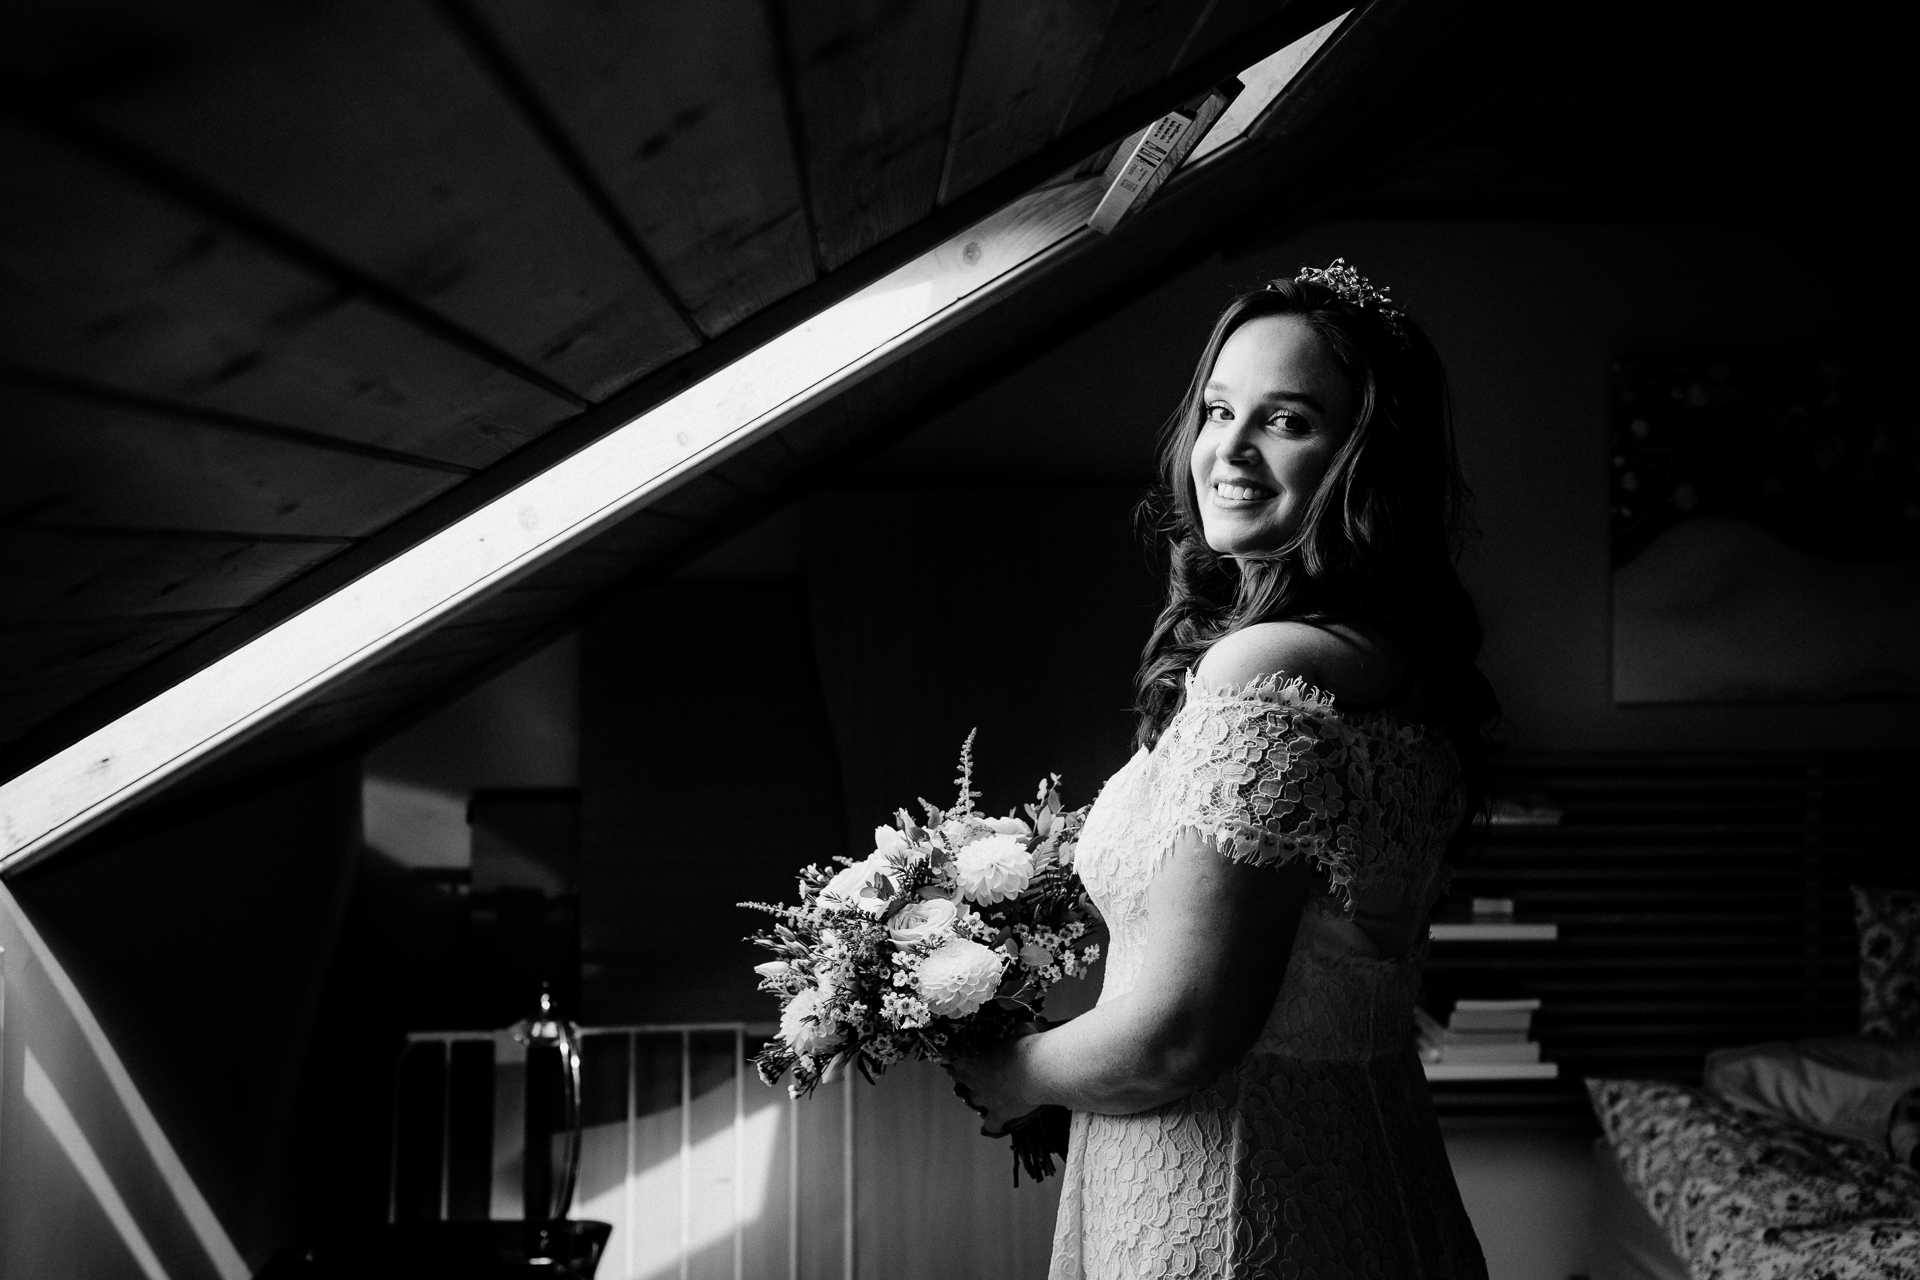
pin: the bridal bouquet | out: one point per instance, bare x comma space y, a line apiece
944, 939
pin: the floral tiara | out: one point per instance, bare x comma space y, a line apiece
1350, 286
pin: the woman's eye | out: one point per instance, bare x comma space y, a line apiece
1219, 413
1287, 420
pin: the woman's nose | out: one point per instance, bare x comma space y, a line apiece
1235, 442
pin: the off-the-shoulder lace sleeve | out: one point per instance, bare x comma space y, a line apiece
1267, 773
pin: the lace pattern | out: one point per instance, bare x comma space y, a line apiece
1318, 1153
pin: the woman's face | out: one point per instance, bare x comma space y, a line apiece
1277, 410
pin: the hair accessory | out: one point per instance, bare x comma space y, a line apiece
1352, 287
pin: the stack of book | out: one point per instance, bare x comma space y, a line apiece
1482, 1039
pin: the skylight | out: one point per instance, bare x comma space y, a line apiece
1264, 80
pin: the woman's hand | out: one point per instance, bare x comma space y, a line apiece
990, 1083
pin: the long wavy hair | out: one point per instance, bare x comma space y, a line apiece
1375, 545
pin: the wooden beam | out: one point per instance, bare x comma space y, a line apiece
856, 105
679, 112
294, 662
1024, 62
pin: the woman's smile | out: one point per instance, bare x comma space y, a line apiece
1241, 493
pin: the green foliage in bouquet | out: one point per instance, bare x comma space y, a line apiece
943, 940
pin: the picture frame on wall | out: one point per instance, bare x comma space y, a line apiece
1765, 532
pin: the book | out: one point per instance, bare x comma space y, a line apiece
1517, 1021
1525, 1051
1528, 1005
1432, 1030
1492, 1015
1491, 1070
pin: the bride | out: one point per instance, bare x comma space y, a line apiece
1246, 1098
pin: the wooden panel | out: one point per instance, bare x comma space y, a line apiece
366, 127
76, 461
77, 573
1024, 63
678, 109
106, 279
874, 82
1142, 41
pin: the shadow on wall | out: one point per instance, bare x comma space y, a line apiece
163, 984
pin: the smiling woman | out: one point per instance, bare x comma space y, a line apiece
1246, 1099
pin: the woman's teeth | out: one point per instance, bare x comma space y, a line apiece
1241, 492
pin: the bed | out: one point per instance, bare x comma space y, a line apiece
1724, 1192
1795, 1159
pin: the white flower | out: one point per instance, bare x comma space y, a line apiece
853, 885
957, 834
921, 921
803, 1024
960, 977
889, 840
1008, 826
773, 970
993, 868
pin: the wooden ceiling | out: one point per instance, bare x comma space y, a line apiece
285, 288
277, 279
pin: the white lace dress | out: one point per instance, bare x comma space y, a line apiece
1317, 1154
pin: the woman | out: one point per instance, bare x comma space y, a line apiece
1246, 1097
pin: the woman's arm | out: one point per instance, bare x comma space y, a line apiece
1218, 937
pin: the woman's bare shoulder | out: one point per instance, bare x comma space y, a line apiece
1352, 664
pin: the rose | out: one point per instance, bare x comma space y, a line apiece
1008, 826
960, 977
993, 868
803, 1024
922, 921
853, 885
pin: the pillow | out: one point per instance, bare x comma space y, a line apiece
1847, 1086
1889, 923
1742, 1195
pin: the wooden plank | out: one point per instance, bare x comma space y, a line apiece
83, 462
874, 82
679, 110
106, 279
1142, 41
367, 127
79, 573
1023, 65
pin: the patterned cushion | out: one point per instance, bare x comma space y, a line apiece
1741, 1195
1889, 923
